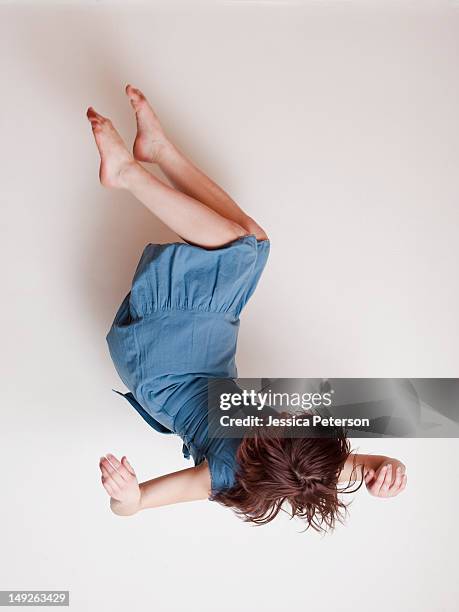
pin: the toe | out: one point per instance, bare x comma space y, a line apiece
94, 115
91, 112
134, 94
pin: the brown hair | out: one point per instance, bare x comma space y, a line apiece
275, 470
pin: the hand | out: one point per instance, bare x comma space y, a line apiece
120, 481
388, 481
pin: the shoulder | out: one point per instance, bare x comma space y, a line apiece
208, 478
222, 471
202, 479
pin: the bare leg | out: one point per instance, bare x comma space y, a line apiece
152, 145
188, 217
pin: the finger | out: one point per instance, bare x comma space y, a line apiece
397, 481
110, 486
404, 481
107, 487
105, 463
369, 476
104, 471
119, 467
128, 466
379, 480
395, 492
387, 479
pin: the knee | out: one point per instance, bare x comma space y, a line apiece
260, 234
253, 228
238, 231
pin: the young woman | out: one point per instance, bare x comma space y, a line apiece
177, 328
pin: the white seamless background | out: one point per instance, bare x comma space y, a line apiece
334, 124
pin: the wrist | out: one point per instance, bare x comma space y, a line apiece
124, 508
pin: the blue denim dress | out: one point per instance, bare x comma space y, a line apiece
176, 329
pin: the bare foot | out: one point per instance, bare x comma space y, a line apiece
115, 159
150, 139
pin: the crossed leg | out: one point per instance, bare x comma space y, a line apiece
152, 145
210, 223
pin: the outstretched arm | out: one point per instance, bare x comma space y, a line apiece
127, 496
383, 476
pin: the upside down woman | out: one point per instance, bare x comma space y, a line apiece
177, 329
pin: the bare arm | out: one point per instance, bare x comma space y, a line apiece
383, 476
190, 484
127, 496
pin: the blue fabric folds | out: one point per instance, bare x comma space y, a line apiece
178, 327
143, 413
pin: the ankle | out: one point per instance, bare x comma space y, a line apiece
129, 173
164, 149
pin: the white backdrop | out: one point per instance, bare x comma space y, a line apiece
335, 125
